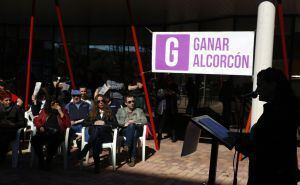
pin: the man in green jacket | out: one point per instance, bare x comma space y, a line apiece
132, 120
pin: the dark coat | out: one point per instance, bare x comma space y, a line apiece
63, 123
272, 147
171, 93
78, 114
11, 119
110, 123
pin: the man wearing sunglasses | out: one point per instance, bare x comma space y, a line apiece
78, 111
132, 120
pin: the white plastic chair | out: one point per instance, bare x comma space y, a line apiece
142, 142
15, 145
63, 149
112, 146
15, 149
29, 116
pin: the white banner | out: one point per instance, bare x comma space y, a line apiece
225, 53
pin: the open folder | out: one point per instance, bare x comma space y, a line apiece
221, 133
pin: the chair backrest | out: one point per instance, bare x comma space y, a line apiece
115, 135
29, 116
142, 142
114, 142
144, 131
63, 149
112, 145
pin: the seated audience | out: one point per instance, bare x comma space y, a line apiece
84, 94
114, 90
15, 99
78, 111
131, 119
51, 125
100, 123
11, 119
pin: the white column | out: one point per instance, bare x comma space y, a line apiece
263, 49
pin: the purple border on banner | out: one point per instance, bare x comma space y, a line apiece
182, 50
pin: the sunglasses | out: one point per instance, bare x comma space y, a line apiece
130, 101
100, 101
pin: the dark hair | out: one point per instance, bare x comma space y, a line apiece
107, 111
48, 109
4, 94
82, 86
128, 96
283, 91
43, 94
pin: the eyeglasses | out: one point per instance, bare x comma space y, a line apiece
130, 101
100, 101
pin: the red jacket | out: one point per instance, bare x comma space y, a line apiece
64, 122
14, 97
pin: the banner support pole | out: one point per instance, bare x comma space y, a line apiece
28, 74
63, 38
139, 59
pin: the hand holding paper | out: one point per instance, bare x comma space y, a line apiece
37, 88
104, 89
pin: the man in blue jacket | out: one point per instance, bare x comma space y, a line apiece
78, 111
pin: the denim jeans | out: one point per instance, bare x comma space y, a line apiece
76, 128
132, 132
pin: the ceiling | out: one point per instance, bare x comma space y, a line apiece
146, 12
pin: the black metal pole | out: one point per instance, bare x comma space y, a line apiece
291, 55
213, 162
240, 133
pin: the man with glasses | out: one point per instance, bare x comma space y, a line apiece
78, 111
132, 120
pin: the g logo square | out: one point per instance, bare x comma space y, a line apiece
172, 52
